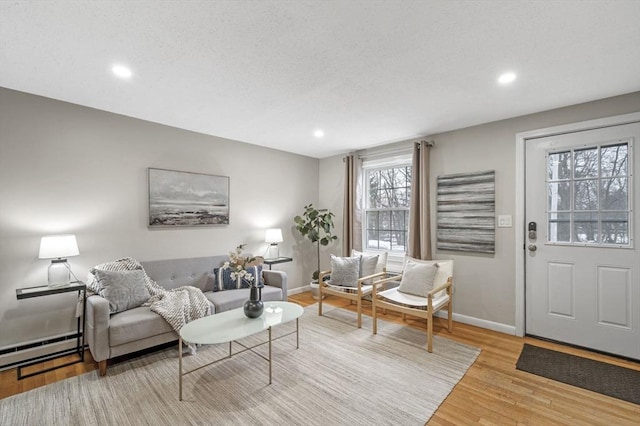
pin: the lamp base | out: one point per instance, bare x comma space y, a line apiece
58, 273
277, 250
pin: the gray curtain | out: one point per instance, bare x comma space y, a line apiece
419, 213
352, 214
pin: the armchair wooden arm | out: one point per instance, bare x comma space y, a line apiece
354, 294
386, 281
441, 287
321, 276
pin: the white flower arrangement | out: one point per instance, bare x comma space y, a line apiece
238, 264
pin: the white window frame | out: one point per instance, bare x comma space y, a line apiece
392, 161
571, 211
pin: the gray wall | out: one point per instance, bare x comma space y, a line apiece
70, 169
485, 284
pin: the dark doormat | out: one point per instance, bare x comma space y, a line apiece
612, 380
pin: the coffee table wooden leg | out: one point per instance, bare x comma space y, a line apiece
230, 348
297, 334
180, 368
269, 355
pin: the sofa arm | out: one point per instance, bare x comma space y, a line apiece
276, 279
97, 327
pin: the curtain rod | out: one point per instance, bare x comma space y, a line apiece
430, 144
407, 149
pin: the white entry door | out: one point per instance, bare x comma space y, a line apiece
582, 244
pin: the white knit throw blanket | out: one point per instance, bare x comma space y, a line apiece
178, 306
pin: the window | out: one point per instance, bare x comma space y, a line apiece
588, 195
387, 200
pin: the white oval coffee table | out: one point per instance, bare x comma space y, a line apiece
230, 326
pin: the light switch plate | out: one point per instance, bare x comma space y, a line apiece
504, 221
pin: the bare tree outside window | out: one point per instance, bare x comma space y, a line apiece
387, 209
588, 195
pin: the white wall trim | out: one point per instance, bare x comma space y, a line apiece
298, 290
520, 218
479, 322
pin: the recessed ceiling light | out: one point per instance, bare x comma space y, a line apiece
318, 134
121, 71
506, 78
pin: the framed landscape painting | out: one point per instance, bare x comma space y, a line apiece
187, 199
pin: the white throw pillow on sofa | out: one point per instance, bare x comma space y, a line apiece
123, 290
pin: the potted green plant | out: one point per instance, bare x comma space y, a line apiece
317, 226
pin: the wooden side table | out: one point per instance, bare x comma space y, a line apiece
275, 260
29, 292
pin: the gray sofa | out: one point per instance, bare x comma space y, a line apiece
112, 335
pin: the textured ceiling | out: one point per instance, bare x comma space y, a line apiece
366, 72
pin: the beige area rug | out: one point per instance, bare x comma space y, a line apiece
341, 375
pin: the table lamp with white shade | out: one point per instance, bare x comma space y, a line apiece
273, 236
58, 248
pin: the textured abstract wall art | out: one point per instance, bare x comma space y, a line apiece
187, 199
466, 212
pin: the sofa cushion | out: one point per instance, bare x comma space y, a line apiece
135, 324
123, 289
227, 300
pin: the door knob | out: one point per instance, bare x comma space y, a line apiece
532, 247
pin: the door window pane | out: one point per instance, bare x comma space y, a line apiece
586, 163
559, 196
559, 166
559, 227
614, 194
586, 195
615, 228
585, 227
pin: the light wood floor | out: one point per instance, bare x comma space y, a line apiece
492, 391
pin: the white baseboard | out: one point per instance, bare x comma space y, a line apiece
482, 323
478, 322
299, 289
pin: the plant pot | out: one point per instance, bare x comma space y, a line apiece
315, 290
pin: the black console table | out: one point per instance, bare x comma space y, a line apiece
29, 292
276, 260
